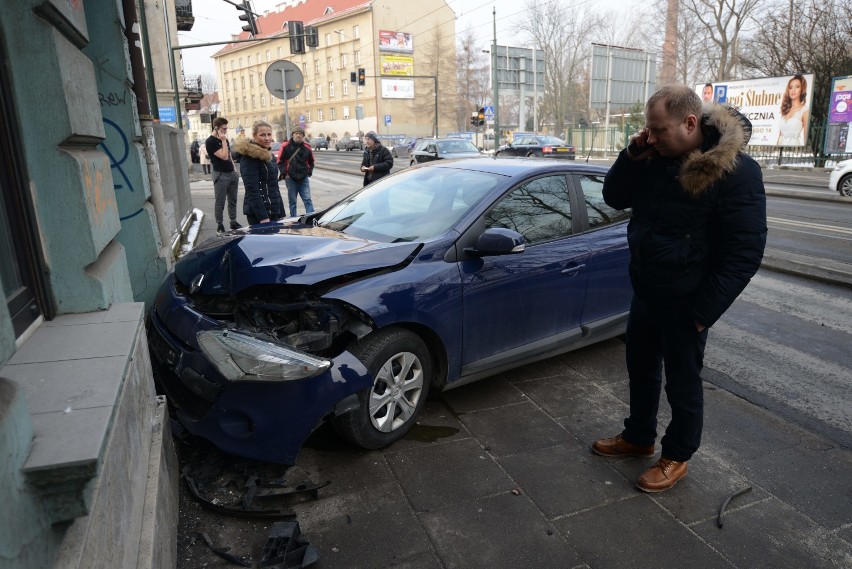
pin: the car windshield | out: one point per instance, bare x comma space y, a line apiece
456, 147
413, 205
551, 140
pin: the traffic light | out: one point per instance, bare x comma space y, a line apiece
248, 18
296, 31
353, 77
362, 76
311, 36
474, 118
480, 116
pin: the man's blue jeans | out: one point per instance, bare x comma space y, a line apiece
299, 188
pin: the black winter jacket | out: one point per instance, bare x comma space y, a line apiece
698, 228
262, 199
300, 167
381, 160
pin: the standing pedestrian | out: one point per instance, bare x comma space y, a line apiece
225, 179
377, 161
296, 164
697, 234
205, 159
262, 199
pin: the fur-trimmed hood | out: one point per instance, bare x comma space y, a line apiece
250, 148
726, 133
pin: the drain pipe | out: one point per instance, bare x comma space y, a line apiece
135, 43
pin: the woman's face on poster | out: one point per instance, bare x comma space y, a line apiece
794, 89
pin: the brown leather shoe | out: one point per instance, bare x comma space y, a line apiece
617, 446
662, 476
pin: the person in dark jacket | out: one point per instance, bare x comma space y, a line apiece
262, 200
696, 237
296, 163
377, 161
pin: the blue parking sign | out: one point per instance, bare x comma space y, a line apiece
387, 120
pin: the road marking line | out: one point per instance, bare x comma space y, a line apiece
809, 225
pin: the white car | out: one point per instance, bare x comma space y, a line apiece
841, 178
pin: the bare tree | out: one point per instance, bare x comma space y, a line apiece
208, 83
442, 65
565, 37
472, 79
723, 22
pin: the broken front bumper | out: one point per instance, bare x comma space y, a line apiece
263, 420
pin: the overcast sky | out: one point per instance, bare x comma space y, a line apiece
216, 20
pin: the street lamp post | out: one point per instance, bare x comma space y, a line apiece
495, 86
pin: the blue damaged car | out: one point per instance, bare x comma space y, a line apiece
428, 279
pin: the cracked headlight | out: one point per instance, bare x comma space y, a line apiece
240, 357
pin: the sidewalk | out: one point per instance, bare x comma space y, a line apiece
499, 475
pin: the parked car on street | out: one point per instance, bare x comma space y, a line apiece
429, 278
840, 178
537, 146
431, 149
402, 149
318, 143
349, 143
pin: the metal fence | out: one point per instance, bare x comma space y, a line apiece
603, 143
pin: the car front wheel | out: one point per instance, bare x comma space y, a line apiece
845, 186
401, 367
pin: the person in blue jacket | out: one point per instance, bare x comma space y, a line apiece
696, 237
262, 199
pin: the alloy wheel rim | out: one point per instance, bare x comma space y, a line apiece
396, 392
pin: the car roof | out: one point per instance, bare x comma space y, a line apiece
517, 166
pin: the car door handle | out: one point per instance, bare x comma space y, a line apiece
572, 271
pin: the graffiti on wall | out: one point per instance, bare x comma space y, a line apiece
117, 148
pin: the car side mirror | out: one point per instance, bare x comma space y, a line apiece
497, 241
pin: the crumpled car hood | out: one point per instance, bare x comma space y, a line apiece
284, 253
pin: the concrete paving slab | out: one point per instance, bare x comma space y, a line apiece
637, 533
386, 536
82, 384
435, 424
566, 479
770, 534
74, 439
743, 431
807, 479
547, 368
429, 484
497, 531
514, 428
601, 363
53, 343
485, 394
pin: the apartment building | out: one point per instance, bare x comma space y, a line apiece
406, 52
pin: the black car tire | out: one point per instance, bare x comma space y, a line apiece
844, 186
393, 153
531, 155
337, 148
412, 163
400, 363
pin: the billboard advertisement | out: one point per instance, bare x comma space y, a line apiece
396, 41
397, 89
399, 65
779, 108
837, 139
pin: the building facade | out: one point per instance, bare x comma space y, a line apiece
88, 476
405, 50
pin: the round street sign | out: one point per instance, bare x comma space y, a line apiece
281, 74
